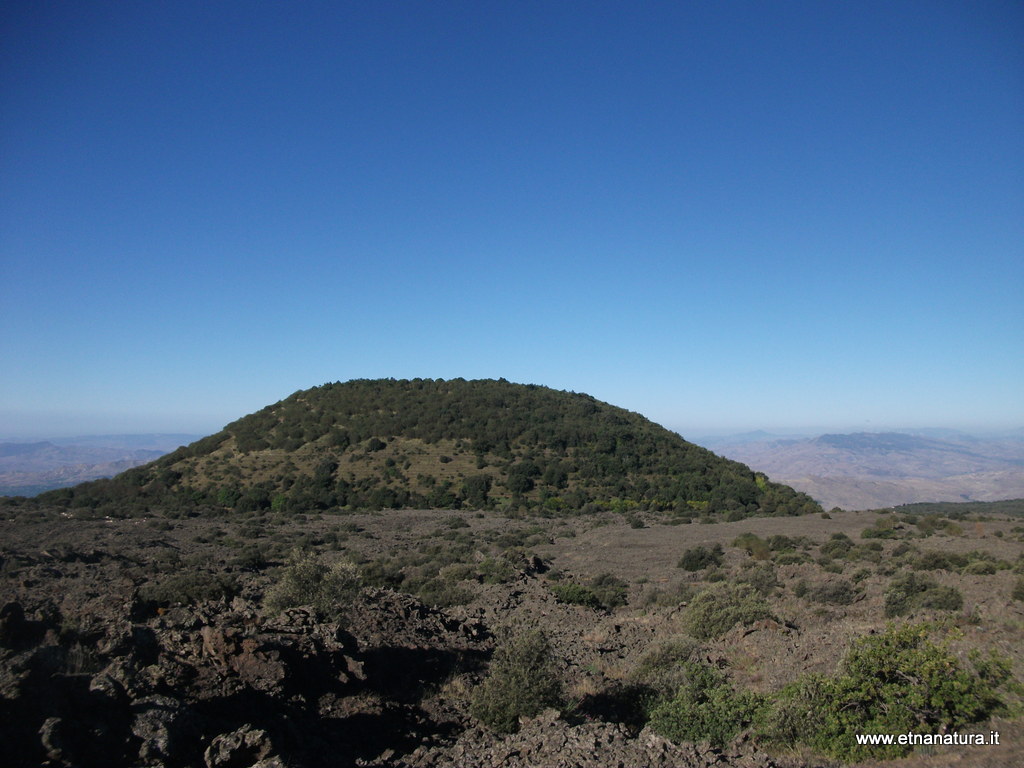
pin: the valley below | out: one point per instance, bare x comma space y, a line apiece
873, 470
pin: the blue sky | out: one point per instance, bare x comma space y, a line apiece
719, 214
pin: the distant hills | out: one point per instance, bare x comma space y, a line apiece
28, 468
868, 469
377, 444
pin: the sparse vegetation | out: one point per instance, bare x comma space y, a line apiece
713, 645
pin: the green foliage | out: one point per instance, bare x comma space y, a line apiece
603, 592
700, 557
896, 682
1017, 593
935, 561
885, 527
307, 580
475, 491
754, 545
911, 592
660, 669
839, 545
720, 607
576, 594
705, 707
188, 587
522, 681
840, 592
760, 576
610, 590
542, 449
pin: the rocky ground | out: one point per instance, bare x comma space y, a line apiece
101, 665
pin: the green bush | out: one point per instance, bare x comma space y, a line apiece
981, 568
661, 668
884, 528
896, 682
939, 561
837, 546
760, 576
911, 592
610, 590
705, 707
754, 545
832, 593
720, 607
522, 682
576, 594
307, 580
603, 592
189, 587
1017, 593
700, 557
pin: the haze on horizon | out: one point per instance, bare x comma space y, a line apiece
725, 217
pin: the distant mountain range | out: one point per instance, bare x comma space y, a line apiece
880, 469
28, 468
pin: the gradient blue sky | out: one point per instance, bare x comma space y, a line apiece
719, 214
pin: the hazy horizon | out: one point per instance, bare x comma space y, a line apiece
98, 428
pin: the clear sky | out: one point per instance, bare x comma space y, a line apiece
719, 214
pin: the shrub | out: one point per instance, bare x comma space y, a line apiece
442, 593
667, 596
833, 593
660, 669
884, 528
780, 543
761, 576
837, 546
754, 545
700, 557
522, 682
719, 608
981, 568
189, 587
896, 682
795, 714
307, 580
1017, 593
604, 592
939, 561
911, 592
496, 570
576, 594
704, 708
609, 589
791, 558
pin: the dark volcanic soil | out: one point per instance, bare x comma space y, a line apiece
146, 642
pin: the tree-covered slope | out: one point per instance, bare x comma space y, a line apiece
375, 444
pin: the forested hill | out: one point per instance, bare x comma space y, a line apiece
377, 444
